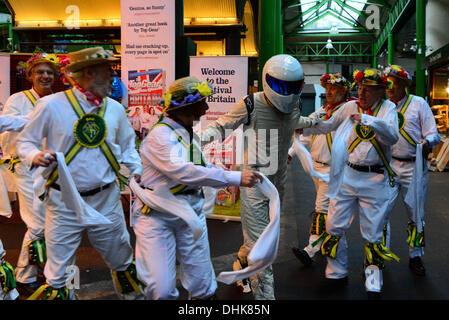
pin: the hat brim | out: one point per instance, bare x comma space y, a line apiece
323, 84
408, 81
372, 84
187, 104
77, 66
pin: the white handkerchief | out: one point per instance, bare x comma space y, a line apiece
210, 195
85, 214
306, 159
161, 199
5, 207
415, 194
340, 156
265, 249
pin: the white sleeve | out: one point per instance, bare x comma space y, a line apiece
159, 149
428, 124
126, 139
11, 123
30, 138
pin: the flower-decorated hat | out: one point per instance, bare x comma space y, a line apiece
335, 78
398, 72
370, 77
38, 57
185, 91
88, 57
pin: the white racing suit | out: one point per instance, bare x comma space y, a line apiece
269, 135
161, 238
19, 104
320, 150
54, 119
366, 192
419, 125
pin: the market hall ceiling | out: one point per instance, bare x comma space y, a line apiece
50, 13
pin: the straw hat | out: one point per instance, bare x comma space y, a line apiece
37, 58
398, 72
88, 57
185, 91
370, 77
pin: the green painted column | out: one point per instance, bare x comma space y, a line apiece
421, 47
270, 31
390, 48
375, 62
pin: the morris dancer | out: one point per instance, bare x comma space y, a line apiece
95, 135
40, 70
171, 156
337, 89
416, 126
366, 184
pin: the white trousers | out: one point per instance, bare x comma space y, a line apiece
63, 235
369, 194
321, 204
162, 238
404, 170
34, 220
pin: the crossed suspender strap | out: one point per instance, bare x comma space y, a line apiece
401, 121
30, 97
328, 135
79, 144
194, 154
365, 133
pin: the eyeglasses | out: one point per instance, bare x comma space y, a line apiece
284, 87
41, 72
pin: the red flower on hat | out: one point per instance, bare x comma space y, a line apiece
384, 79
325, 77
359, 76
402, 74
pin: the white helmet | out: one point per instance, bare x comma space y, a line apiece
282, 81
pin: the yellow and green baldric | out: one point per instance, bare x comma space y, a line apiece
15, 160
365, 133
401, 121
328, 135
30, 97
194, 155
90, 132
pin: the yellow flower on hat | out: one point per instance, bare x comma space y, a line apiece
167, 98
369, 73
52, 58
395, 67
203, 88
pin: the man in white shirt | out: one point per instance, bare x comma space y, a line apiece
40, 71
366, 180
95, 135
337, 88
416, 126
171, 155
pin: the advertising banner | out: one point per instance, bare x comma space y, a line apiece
229, 76
148, 58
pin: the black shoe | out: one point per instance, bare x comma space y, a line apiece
302, 256
374, 295
333, 285
27, 289
417, 266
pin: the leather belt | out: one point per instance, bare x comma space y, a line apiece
412, 159
186, 192
84, 193
377, 168
323, 163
